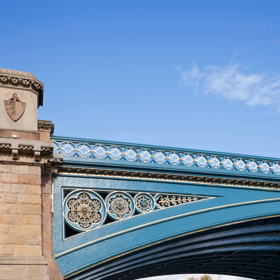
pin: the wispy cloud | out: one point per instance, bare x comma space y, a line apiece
231, 82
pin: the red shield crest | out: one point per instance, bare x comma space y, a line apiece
14, 107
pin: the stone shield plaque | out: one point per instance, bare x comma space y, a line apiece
14, 107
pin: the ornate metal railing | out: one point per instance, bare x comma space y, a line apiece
107, 150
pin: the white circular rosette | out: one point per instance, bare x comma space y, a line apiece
144, 203
119, 205
84, 210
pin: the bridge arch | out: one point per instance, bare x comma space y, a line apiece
206, 219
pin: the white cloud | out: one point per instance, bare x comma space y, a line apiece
232, 83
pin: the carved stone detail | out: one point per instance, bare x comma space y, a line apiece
14, 107
19, 79
46, 126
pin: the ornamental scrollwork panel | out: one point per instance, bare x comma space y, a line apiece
86, 210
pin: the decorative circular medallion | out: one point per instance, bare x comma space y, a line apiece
119, 205
84, 210
144, 202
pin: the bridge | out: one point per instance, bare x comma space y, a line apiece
88, 209
129, 211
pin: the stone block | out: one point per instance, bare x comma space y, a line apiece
29, 179
8, 208
31, 209
20, 169
47, 207
35, 240
26, 230
1, 197
8, 249
19, 230
35, 170
34, 189
14, 239
34, 230
4, 229
9, 178
26, 250
5, 188
36, 272
1, 253
29, 198
35, 219
10, 198
15, 219
13, 272
22, 189
4, 168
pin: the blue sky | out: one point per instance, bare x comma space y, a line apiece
193, 74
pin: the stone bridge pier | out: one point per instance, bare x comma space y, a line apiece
26, 164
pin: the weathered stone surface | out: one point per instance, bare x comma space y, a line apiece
10, 198
34, 189
35, 240
15, 219
26, 250
29, 198
23, 267
19, 189
29, 179
4, 168
8, 249
9, 178
30, 209
34, 219
35, 170
5, 188
20, 169
8, 208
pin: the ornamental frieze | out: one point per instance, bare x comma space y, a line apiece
89, 209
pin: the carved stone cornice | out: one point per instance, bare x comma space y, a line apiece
22, 80
47, 126
30, 148
168, 177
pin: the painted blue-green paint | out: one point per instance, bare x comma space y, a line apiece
229, 204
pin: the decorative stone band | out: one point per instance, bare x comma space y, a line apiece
18, 146
46, 126
169, 177
86, 209
188, 159
19, 79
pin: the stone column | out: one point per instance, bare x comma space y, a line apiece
26, 165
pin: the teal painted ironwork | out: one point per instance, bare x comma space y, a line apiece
125, 152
